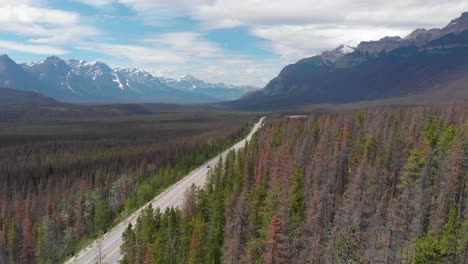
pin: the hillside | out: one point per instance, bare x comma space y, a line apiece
370, 186
424, 62
15, 97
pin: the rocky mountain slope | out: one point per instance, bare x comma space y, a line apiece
425, 61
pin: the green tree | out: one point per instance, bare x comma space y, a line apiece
38, 232
431, 131
128, 247
413, 169
449, 239
102, 218
69, 241
298, 203
315, 133
429, 250
13, 242
370, 146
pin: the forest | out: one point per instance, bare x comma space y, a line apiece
385, 185
65, 182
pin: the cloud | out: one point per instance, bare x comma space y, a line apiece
35, 49
189, 44
398, 13
179, 53
43, 25
294, 42
97, 3
136, 53
170, 48
226, 13
302, 28
298, 28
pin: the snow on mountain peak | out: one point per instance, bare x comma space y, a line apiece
345, 49
335, 54
80, 77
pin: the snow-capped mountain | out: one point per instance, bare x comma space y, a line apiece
82, 81
334, 55
218, 90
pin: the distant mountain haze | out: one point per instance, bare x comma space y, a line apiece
81, 81
429, 62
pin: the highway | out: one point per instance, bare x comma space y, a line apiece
174, 196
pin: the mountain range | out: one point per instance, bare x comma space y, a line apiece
431, 63
81, 81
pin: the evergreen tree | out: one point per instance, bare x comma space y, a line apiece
449, 240
102, 216
413, 169
429, 250
298, 203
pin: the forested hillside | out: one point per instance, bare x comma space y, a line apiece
66, 182
376, 186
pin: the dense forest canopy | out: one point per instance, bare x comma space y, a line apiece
377, 186
66, 182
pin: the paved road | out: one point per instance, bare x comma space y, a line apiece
111, 241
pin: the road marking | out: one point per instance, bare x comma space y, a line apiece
112, 253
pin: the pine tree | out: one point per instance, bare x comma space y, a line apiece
298, 203
429, 250
102, 216
449, 239
413, 169
128, 247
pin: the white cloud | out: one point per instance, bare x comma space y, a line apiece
305, 27
222, 13
294, 42
189, 44
35, 49
180, 53
42, 24
24, 14
170, 48
302, 28
97, 3
136, 53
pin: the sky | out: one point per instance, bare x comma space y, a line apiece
231, 41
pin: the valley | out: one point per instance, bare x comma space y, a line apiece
282, 150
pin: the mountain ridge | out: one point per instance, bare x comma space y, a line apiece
387, 68
81, 81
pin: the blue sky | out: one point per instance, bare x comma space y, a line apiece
232, 41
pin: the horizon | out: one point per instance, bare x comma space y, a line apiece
216, 41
